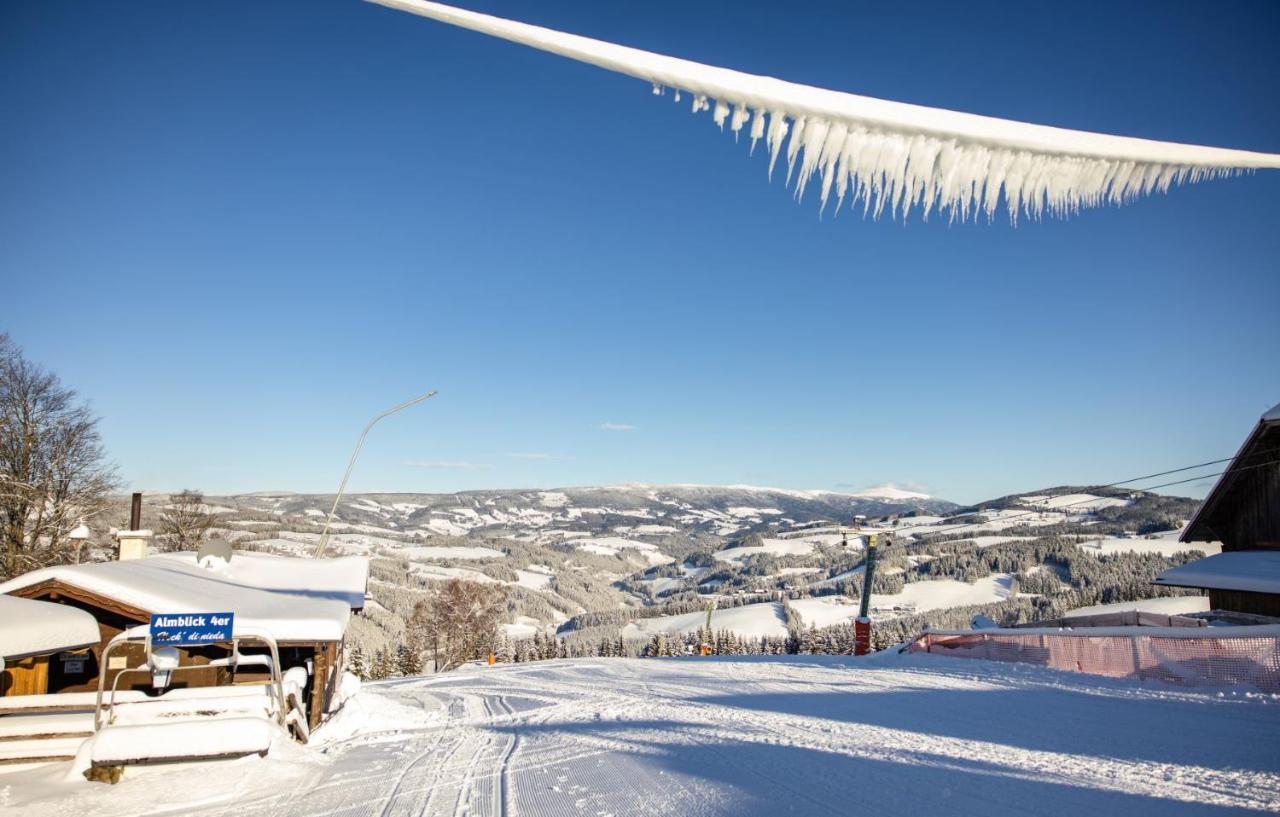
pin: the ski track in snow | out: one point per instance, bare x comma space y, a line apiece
891, 735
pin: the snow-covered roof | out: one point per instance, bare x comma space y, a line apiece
172, 584
1252, 571
344, 578
29, 627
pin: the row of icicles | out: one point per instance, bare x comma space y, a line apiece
895, 172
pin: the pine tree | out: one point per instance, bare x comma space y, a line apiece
408, 662
357, 664
505, 651
809, 641
382, 666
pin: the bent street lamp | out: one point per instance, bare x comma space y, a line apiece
324, 535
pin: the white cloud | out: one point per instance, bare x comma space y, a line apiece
537, 456
436, 465
616, 427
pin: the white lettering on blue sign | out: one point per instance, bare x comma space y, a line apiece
189, 629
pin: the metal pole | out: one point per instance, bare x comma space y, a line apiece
862, 626
869, 563
324, 535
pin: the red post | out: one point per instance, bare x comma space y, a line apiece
861, 635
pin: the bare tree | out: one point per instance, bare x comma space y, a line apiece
457, 622
185, 522
53, 470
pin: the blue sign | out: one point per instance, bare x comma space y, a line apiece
190, 629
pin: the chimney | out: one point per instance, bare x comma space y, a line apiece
135, 511
133, 542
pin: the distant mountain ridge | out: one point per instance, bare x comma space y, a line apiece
718, 510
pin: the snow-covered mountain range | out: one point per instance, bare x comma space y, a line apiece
598, 559
546, 515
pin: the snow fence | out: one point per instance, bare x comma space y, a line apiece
1216, 657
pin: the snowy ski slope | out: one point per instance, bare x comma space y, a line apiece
887, 735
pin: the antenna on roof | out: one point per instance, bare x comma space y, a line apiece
324, 535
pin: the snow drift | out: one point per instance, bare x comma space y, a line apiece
891, 156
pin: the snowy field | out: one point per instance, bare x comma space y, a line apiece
1166, 605
1165, 544
887, 735
936, 594
750, 620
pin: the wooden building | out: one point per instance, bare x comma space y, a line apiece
304, 604
1243, 513
34, 634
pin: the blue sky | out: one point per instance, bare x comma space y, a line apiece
241, 229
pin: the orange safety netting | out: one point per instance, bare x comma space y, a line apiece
1238, 660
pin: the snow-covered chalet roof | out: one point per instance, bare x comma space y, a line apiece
344, 578
173, 584
29, 627
1252, 571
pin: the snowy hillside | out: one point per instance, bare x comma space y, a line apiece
547, 516
911, 735
633, 560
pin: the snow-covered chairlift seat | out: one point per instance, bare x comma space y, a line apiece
175, 741
198, 723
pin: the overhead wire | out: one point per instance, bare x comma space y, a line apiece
943, 520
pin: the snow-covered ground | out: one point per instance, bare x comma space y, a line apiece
1166, 605
1076, 502
825, 611
935, 594
613, 545
1165, 544
891, 735
750, 620
778, 547
415, 553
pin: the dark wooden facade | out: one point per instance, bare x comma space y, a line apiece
1243, 513
1243, 509
114, 617
1239, 601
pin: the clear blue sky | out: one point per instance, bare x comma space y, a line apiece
240, 229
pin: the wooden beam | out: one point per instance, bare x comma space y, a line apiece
56, 588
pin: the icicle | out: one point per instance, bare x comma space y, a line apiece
720, 113
892, 156
777, 132
740, 117
757, 129
793, 146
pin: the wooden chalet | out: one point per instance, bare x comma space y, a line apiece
1243, 513
303, 604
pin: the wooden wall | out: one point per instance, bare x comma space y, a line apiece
1260, 604
1248, 515
25, 677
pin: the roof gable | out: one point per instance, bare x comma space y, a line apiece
1250, 480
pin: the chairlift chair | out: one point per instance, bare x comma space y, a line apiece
200, 723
